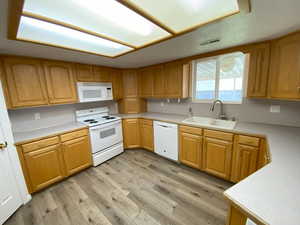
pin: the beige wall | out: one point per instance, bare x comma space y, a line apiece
23, 119
250, 111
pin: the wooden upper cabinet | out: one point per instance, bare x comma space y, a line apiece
131, 133
258, 71
285, 68
146, 82
130, 83
60, 82
77, 154
25, 82
117, 82
132, 105
217, 157
84, 73
158, 81
102, 74
176, 81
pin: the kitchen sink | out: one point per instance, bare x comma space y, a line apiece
210, 122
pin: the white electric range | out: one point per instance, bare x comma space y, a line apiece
105, 133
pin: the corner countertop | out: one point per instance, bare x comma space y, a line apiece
270, 195
27, 136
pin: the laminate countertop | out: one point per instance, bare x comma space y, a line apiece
27, 136
270, 195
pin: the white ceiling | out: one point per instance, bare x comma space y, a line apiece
268, 19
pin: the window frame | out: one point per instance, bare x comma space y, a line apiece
217, 79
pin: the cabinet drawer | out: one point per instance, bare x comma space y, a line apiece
147, 122
219, 135
72, 135
191, 130
246, 140
40, 144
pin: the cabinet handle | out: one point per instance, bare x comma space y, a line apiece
3, 145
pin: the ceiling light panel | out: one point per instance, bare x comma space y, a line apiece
107, 18
47, 33
182, 15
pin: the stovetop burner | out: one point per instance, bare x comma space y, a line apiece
89, 120
108, 117
94, 121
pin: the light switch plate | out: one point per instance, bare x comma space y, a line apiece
37, 116
275, 109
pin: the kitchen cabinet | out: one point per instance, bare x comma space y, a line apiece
285, 68
44, 166
132, 105
60, 82
245, 157
147, 135
84, 73
258, 73
131, 133
217, 153
190, 142
49, 160
146, 84
130, 83
117, 82
76, 154
158, 81
25, 82
101, 74
176, 75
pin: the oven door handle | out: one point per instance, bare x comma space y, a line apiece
105, 125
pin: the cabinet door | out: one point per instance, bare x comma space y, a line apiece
132, 105
147, 140
117, 82
131, 133
44, 167
130, 83
158, 82
191, 149
217, 157
60, 82
26, 82
77, 154
146, 82
285, 68
258, 71
84, 73
101, 74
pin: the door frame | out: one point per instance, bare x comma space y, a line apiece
12, 151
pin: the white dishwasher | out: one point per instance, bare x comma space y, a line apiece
166, 139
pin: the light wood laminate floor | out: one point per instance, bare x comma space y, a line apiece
135, 188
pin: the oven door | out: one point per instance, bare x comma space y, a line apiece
105, 135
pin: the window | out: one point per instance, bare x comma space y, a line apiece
219, 77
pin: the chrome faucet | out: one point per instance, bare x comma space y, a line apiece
222, 115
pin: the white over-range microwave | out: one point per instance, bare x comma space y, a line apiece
93, 92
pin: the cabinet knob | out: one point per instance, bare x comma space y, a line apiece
3, 145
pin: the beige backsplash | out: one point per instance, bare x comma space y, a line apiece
23, 119
250, 111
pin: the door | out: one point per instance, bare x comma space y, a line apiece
217, 155
147, 135
191, 149
158, 82
60, 82
285, 68
26, 82
130, 83
101, 74
173, 80
146, 82
10, 198
77, 154
246, 161
117, 83
84, 73
44, 167
131, 133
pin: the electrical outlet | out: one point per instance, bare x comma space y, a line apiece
275, 109
37, 116
162, 104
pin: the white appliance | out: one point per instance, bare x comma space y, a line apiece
166, 140
92, 92
105, 133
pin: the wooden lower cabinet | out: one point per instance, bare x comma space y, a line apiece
217, 155
76, 154
47, 161
190, 150
131, 133
44, 167
147, 135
